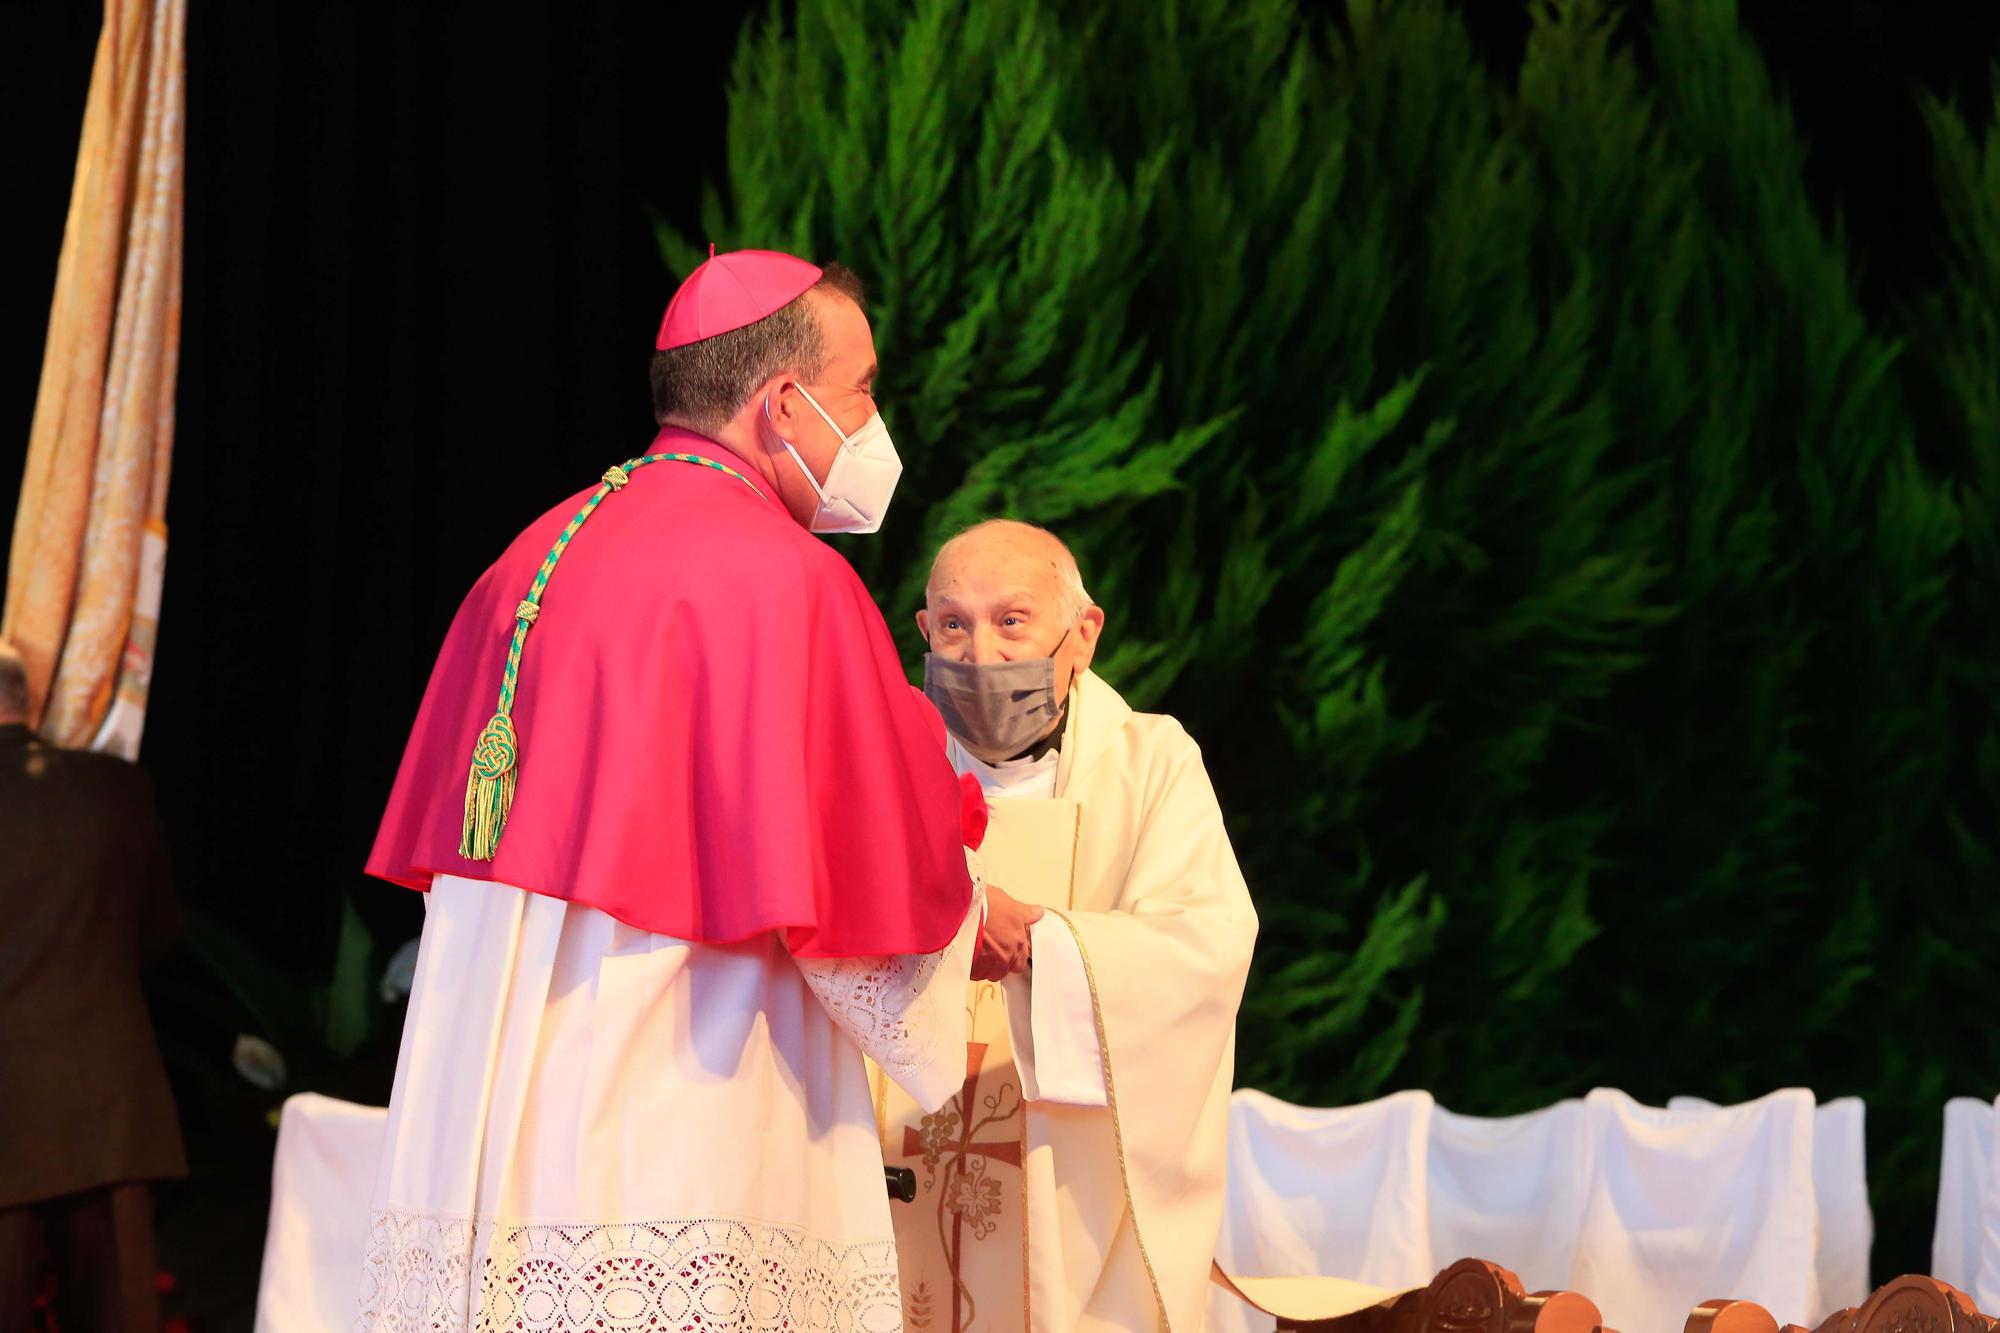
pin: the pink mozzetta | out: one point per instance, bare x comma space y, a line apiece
729, 291
716, 737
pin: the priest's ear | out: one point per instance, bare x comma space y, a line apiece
1088, 626
924, 625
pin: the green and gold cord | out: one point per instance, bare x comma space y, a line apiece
496, 758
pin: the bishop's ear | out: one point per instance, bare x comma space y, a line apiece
924, 625
782, 405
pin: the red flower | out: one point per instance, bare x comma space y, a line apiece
176, 1325
972, 810
163, 1283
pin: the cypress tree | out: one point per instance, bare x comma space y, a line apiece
1591, 643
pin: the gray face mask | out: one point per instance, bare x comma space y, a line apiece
995, 709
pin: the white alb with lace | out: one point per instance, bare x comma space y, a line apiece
598, 1128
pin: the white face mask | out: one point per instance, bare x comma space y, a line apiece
862, 479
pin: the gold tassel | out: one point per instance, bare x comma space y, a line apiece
489, 789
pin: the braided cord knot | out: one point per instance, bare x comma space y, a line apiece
497, 749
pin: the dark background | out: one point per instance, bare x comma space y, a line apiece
421, 282
420, 286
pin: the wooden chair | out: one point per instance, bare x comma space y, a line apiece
1474, 1296
1471, 1296
1910, 1304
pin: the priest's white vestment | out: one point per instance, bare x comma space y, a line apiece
1075, 1183
597, 1127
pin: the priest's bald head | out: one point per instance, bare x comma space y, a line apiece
769, 356
1010, 627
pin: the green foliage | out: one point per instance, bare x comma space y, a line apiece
317, 1030
1947, 928
1586, 606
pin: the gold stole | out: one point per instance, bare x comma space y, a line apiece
962, 1246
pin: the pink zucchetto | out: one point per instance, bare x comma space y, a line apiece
730, 291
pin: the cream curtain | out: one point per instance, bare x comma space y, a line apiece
89, 539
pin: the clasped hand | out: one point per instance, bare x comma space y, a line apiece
1004, 944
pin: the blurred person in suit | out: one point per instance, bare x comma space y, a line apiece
87, 1121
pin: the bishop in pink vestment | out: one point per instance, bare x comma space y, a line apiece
708, 851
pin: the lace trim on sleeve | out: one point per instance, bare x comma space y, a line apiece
891, 1005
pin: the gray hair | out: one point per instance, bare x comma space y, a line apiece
1075, 599
706, 383
13, 684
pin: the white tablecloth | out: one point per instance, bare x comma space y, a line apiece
1686, 1206
1647, 1211
321, 1185
1339, 1192
1508, 1190
1965, 1247
1840, 1185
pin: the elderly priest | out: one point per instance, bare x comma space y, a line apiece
1076, 1181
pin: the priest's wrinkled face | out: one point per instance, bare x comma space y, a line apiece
1007, 592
